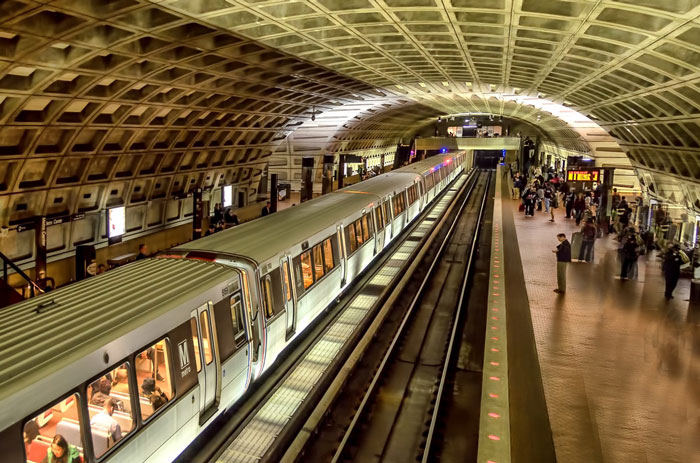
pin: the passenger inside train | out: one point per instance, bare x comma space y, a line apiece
109, 407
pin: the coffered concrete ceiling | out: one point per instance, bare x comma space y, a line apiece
134, 101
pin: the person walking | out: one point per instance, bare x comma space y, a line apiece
578, 208
568, 198
588, 235
553, 205
672, 269
563, 252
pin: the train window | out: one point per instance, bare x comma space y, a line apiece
298, 280
272, 287
206, 336
153, 376
237, 318
267, 290
110, 409
306, 269
328, 255
379, 217
195, 343
387, 212
287, 283
318, 262
365, 227
40, 432
352, 241
358, 232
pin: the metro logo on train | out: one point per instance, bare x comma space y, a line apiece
583, 175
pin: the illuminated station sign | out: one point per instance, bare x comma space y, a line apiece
592, 175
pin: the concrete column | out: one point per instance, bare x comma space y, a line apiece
341, 170
40, 242
273, 193
198, 213
307, 178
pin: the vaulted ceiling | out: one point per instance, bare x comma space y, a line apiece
130, 101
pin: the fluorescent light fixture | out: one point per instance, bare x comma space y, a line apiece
445, 84
422, 84
116, 221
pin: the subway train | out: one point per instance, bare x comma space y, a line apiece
131, 365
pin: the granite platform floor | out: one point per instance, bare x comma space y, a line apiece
620, 364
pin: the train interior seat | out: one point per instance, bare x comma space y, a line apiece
123, 397
65, 404
37, 449
100, 440
70, 429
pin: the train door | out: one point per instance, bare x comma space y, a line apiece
343, 255
205, 348
289, 300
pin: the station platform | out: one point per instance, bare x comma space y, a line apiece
619, 364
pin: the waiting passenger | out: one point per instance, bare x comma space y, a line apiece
230, 218
105, 420
266, 209
61, 451
211, 230
143, 252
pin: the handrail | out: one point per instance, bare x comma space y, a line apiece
32, 284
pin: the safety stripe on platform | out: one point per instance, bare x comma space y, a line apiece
494, 422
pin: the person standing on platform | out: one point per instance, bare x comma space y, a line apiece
630, 254
553, 205
563, 252
266, 209
578, 208
588, 235
540, 196
529, 201
672, 269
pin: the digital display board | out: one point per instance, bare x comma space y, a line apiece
583, 175
227, 196
116, 222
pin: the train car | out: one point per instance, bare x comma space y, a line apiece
132, 365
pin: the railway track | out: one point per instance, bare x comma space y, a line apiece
242, 426
389, 411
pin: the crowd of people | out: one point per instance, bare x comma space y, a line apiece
544, 191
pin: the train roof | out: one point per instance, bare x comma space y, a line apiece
81, 318
262, 239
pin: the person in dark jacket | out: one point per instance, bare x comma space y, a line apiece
61, 451
266, 209
143, 252
672, 269
529, 199
569, 203
630, 254
230, 218
578, 207
563, 252
588, 235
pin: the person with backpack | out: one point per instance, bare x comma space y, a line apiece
588, 235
